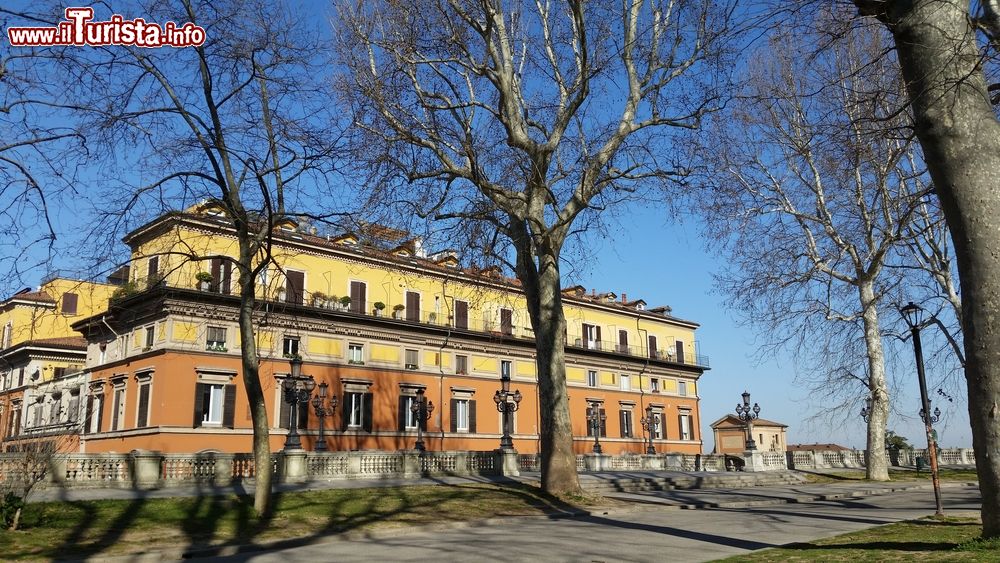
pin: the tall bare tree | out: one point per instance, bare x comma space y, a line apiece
243, 121
529, 117
956, 123
813, 185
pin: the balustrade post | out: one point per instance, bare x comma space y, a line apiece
223, 470
146, 469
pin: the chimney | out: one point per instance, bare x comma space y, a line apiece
624, 298
593, 292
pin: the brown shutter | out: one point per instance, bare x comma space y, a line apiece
590, 427
228, 405
284, 410
69, 303
604, 423
143, 419
680, 352
623, 341
216, 275
472, 417
454, 415
118, 407
621, 422
358, 297
152, 269
652, 346
366, 412
462, 314
294, 284
401, 412
100, 415
506, 321
227, 274
88, 415
412, 306
345, 410
597, 331
199, 403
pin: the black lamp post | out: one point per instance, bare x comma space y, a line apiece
595, 418
649, 423
297, 389
421, 409
507, 404
913, 315
866, 411
323, 411
748, 415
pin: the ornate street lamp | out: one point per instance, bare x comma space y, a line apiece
595, 418
323, 411
421, 409
649, 424
866, 411
748, 415
297, 389
913, 315
507, 404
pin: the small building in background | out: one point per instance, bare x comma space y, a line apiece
731, 435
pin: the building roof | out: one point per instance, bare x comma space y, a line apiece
731, 420
35, 296
816, 448
64, 342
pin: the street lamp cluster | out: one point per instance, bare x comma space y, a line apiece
649, 424
507, 404
596, 418
748, 414
421, 409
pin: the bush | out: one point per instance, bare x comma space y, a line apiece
9, 509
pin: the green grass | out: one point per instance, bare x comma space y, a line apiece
76, 529
928, 539
959, 475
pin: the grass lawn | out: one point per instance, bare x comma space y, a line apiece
928, 539
960, 475
76, 529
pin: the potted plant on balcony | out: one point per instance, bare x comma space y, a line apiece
397, 311
345, 302
379, 307
204, 280
319, 299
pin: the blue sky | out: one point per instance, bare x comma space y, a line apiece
665, 263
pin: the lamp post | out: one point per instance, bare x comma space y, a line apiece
913, 315
748, 415
649, 423
421, 409
595, 418
507, 404
323, 411
297, 389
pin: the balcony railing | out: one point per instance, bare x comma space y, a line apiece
492, 326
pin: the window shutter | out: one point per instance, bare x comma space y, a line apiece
143, 419
472, 417
506, 321
294, 283
621, 421
422, 422
227, 275
461, 314
412, 306
303, 414
401, 411
88, 416
590, 427
623, 339
358, 297
604, 423
152, 268
199, 403
597, 331
283, 410
454, 415
680, 352
345, 410
216, 271
100, 414
228, 405
69, 303
652, 346
366, 412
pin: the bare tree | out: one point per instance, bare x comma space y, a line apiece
529, 117
812, 185
942, 66
242, 121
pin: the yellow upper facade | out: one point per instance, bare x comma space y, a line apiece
31, 316
404, 281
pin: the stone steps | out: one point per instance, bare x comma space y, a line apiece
632, 484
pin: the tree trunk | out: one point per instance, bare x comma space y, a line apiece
960, 136
251, 381
878, 467
543, 290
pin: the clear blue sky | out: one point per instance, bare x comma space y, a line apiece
666, 263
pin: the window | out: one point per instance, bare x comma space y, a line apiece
653, 353
411, 359
626, 382
682, 388
359, 297
463, 415
461, 364
591, 337
505, 368
290, 346
215, 339
69, 303
603, 422
58, 372
506, 322
654, 385
680, 352
623, 341
625, 419
295, 283
142, 414
118, 409
408, 419
462, 314
685, 426
412, 306
153, 271
55, 410
222, 273
148, 342
658, 428
214, 404
73, 413
592, 378
356, 354
357, 411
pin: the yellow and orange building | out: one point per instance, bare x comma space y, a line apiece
377, 319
